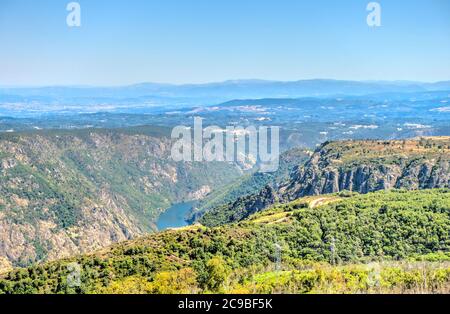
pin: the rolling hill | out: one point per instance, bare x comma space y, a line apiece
344, 242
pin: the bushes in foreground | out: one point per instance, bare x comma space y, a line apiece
377, 227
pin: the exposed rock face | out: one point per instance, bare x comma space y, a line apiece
200, 193
23, 243
69, 192
359, 166
366, 166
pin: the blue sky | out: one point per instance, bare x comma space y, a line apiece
194, 41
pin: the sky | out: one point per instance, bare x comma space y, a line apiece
196, 41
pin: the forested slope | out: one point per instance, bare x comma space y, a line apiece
391, 228
362, 166
67, 192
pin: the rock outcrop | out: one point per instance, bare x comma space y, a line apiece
358, 166
366, 166
70, 192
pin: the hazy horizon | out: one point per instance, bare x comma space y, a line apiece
401, 82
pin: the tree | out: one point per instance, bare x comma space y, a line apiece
171, 282
217, 273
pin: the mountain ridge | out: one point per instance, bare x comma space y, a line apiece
299, 88
354, 166
64, 192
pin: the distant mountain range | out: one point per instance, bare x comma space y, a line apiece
217, 92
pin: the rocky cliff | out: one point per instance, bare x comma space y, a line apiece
69, 192
358, 166
366, 166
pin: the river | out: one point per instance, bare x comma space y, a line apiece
174, 216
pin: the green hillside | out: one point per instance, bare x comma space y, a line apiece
65, 192
353, 165
250, 184
387, 241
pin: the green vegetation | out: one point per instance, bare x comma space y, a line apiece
395, 241
240, 209
68, 191
248, 185
362, 166
386, 152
